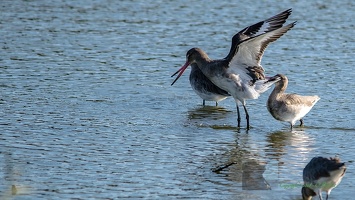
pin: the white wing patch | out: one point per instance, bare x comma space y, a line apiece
249, 53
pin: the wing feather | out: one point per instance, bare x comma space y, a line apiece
259, 28
249, 52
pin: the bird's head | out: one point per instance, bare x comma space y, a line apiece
192, 56
307, 193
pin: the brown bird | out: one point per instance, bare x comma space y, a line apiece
288, 107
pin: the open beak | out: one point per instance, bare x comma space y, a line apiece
181, 70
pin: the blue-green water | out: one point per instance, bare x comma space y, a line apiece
87, 110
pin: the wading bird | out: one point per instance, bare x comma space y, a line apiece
321, 174
288, 107
204, 88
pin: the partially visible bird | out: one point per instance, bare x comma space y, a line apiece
321, 174
204, 88
240, 72
288, 107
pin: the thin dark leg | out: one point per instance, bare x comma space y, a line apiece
291, 126
216, 103
203, 102
301, 120
327, 196
238, 116
247, 116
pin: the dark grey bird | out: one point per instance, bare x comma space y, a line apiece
204, 88
288, 107
240, 72
321, 174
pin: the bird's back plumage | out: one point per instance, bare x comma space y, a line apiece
322, 174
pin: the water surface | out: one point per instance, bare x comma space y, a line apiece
87, 110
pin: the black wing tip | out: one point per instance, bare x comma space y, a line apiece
293, 24
290, 25
284, 14
289, 10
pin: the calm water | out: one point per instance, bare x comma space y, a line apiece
87, 110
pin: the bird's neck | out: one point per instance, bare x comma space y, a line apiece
279, 90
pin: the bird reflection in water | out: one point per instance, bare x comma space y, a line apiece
208, 113
12, 177
253, 178
242, 166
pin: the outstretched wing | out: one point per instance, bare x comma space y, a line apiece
248, 54
259, 28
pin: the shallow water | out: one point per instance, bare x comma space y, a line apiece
87, 110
